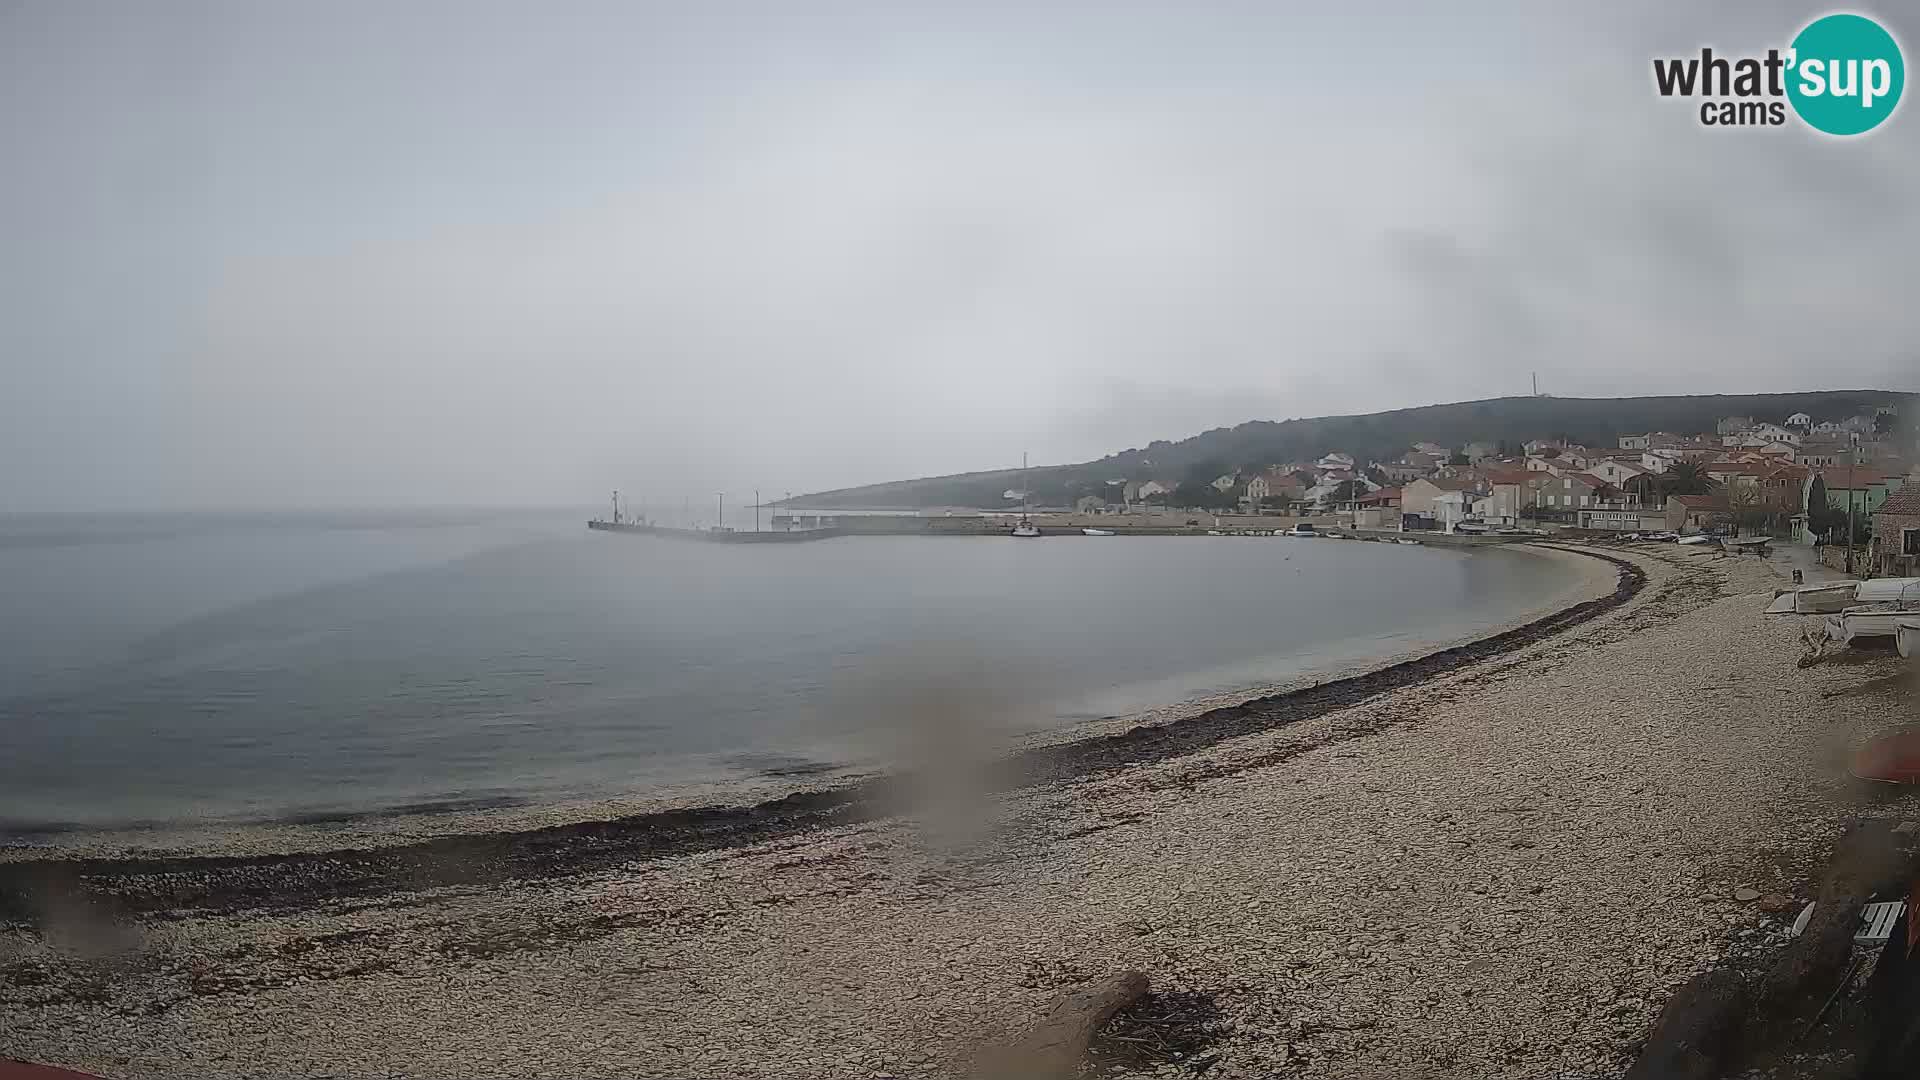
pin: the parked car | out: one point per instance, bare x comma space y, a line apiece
1305, 528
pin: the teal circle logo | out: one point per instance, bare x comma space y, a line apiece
1846, 74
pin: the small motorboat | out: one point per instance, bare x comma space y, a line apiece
1699, 538
1407, 540
1026, 527
1906, 635
1097, 532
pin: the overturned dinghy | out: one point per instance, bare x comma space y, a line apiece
1829, 598
1887, 590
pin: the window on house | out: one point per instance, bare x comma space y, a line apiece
1910, 541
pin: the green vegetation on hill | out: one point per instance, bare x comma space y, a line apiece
1383, 436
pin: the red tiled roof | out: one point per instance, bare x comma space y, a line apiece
1702, 502
1904, 501
1508, 476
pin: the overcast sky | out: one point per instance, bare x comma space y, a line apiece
377, 253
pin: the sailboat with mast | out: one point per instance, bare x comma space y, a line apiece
1025, 527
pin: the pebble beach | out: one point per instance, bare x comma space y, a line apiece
1500, 871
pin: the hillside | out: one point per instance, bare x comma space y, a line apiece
1374, 436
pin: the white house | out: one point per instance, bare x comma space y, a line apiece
1800, 420
1226, 482
1616, 471
1501, 506
1334, 461
1450, 508
1766, 433
1151, 488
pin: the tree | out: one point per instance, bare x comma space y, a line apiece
1347, 491
1748, 507
1550, 452
1687, 478
1459, 459
1205, 496
1823, 518
1203, 473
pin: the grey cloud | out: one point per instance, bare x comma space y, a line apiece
477, 253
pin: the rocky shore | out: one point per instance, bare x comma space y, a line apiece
1496, 861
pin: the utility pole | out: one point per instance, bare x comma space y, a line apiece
756, 509
722, 496
1853, 456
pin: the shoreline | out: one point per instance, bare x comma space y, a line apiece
135, 882
1499, 871
314, 833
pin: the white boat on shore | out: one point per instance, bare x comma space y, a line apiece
1888, 590
1097, 532
1875, 621
1825, 598
1906, 635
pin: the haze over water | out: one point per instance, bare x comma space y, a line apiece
174, 668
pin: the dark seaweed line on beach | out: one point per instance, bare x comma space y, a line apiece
212, 884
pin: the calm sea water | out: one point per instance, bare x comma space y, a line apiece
163, 669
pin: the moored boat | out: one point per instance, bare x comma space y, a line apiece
1097, 532
1025, 526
